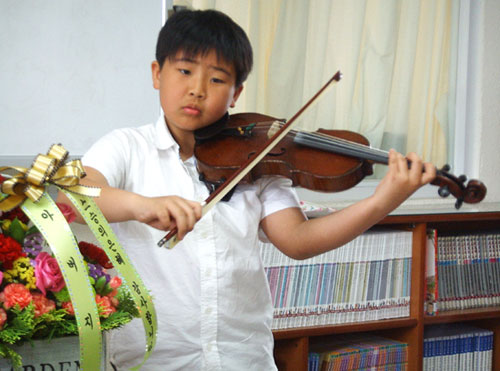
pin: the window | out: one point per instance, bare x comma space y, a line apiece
404, 66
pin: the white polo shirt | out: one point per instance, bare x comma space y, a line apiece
210, 292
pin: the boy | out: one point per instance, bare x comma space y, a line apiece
210, 291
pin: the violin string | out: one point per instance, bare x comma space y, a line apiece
343, 146
337, 145
340, 148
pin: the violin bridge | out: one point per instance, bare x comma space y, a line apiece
275, 127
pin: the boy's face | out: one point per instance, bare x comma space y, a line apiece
194, 92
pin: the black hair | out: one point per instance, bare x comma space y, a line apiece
196, 32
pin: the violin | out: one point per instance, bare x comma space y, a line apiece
247, 146
325, 160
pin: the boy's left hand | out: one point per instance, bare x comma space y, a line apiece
405, 176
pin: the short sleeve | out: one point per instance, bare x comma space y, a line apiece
109, 156
276, 194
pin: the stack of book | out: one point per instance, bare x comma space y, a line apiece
462, 272
365, 280
457, 347
358, 352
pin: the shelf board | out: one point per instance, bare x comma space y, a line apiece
441, 217
463, 315
344, 328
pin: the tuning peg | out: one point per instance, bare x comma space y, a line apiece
444, 191
462, 178
459, 203
446, 168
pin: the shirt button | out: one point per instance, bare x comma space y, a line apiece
208, 272
208, 310
209, 347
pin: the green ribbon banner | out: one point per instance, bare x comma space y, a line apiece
108, 241
49, 220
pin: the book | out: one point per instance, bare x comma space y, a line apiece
362, 351
431, 274
367, 279
467, 272
457, 347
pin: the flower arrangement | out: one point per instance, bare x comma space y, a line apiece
34, 300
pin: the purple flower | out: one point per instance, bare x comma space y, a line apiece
96, 271
33, 244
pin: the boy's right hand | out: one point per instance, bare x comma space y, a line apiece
168, 212
117, 205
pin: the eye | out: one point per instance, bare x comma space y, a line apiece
184, 71
217, 80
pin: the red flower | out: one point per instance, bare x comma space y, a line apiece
10, 250
42, 304
15, 293
16, 213
69, 307
95, 254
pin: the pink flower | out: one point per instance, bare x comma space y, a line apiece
48, 274
15, 293
105, 306
3, 317
67, 211
1, 277
42, 304
69, 307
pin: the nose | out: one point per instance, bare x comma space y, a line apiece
197, 88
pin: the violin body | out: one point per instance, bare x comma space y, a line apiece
311, 168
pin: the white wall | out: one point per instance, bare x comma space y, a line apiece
71, 71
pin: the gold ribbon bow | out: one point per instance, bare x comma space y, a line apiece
50, 168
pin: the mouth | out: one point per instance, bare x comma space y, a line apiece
191, 110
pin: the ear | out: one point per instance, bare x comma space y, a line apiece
155, 72
236, 95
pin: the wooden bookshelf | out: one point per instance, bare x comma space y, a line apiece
292, 345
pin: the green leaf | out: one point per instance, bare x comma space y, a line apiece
20, 325
106, 290
16, 231
62, 295
31, 230
115, 320
126, 302
11, 355
100, 284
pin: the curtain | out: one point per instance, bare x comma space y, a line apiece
398, 59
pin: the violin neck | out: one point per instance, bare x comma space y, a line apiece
341, 147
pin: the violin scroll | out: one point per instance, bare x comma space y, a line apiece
472, 192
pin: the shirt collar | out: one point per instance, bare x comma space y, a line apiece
163, 138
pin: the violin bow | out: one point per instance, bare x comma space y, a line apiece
171, 238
